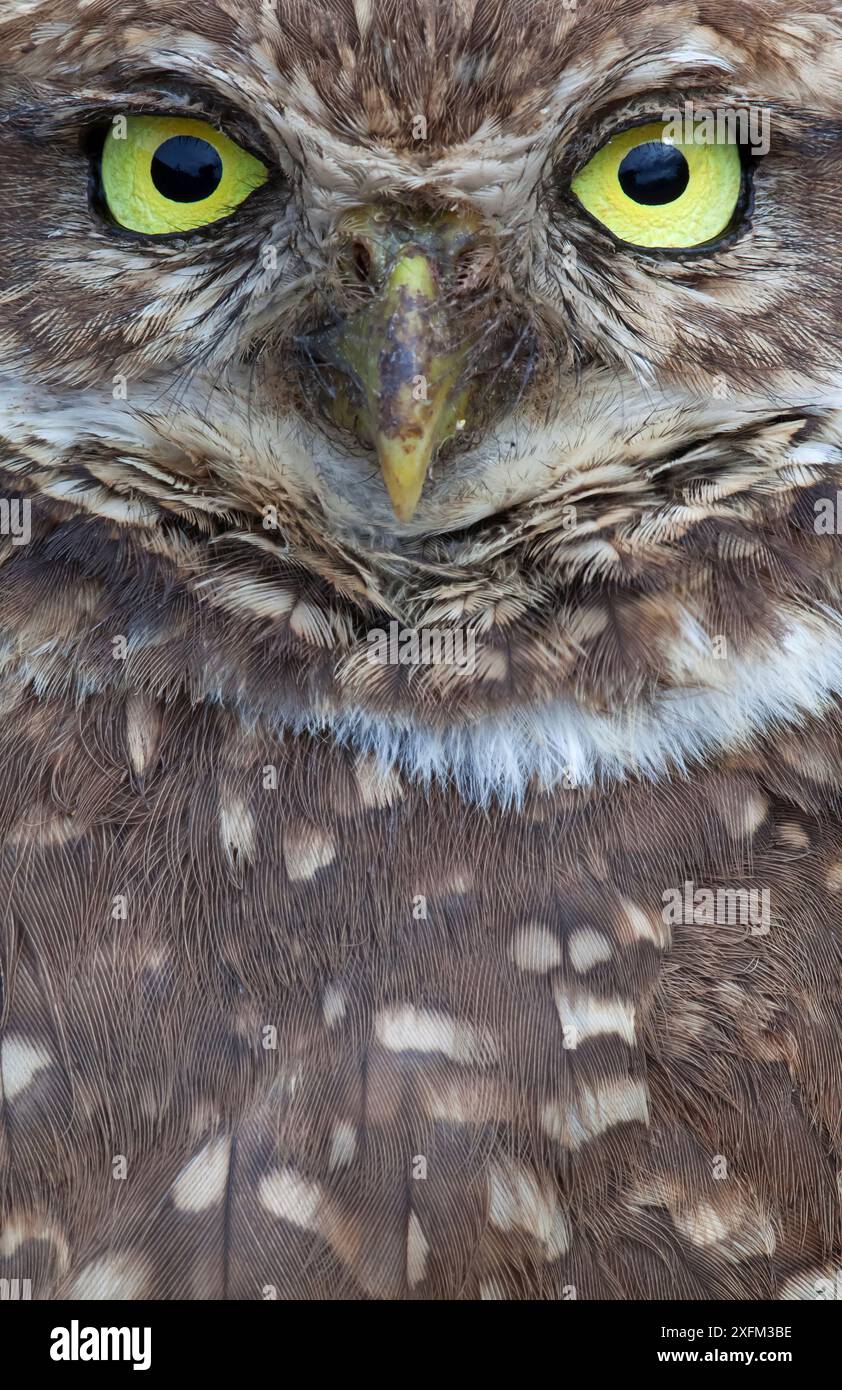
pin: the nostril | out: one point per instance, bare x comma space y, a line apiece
361, 259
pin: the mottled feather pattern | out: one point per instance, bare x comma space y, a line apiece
318, 1091
324, 978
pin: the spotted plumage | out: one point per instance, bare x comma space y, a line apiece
324, 977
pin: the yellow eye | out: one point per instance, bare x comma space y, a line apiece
168, 174
650, 191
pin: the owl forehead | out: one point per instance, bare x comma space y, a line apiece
458, 99
378, 67
421, 77
372, 98
378, 71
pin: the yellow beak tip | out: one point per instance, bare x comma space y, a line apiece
404, 510
404, 471
403, 496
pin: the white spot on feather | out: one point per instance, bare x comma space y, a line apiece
598, 1109
587, 948
306, 850
833, 878
643, 925
702, 1225
405, 1029
517, 1201
16, 1232
590, 1016
379, 787
143, 731
236, 828
746, 818
333, 1005
343, 1144
535, 950
417, 1250
20, 1063
201, 1183
739, 1229
310, 624
123, 1277
286, 1194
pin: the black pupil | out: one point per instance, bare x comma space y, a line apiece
654, 173
186, 169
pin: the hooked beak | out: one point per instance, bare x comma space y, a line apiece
398, 364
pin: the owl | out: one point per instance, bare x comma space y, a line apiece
421, 610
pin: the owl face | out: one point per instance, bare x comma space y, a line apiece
433, 290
